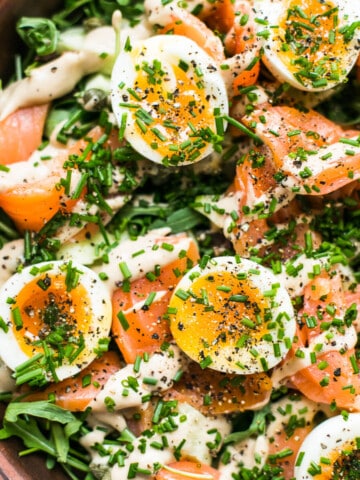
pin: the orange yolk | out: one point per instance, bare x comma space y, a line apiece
220, 311
46, 308
310, 44
178, 110
338, 463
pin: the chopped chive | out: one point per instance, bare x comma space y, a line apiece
167, 246
3, 325
86, 380
125, 270
150, 380
243, 128
123, 320
137, 364
206, 362
150, 298
159, 134
223, 288
182, 294
238, 298
16, 316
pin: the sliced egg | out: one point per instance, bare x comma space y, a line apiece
310, 44
232, 315
331, 450
169, 98
53, 316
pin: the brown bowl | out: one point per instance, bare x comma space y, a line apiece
10, 11
13, 466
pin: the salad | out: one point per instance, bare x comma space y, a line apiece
179, 233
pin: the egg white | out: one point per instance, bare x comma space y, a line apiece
99, 306
329, 436
241, 360
169, 50
272, 11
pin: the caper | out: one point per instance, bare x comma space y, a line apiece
94, 100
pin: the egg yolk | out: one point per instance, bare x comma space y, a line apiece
45, 312
174, 115
342, 463
309, 42
219, 311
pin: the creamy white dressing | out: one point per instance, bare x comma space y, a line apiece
228, 203
259, 95
139, 305
285, 408
48, 82
194, 430
39, 166
59, 77
141, 256
249, 453
11, 256
304, 358
161, 367
305, 267
7, 383
326, 157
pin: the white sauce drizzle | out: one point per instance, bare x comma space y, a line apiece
161, 366
140, 264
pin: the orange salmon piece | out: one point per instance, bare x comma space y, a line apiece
221, 16
301, 134
144, 329
21, 133
342, 384
188, 25
76, 393
31, 205
314, 130
283, 442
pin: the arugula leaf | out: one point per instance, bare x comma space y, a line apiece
60, 441
180, 221
41, 409
30, 434
40, 34
256, 427
47, 428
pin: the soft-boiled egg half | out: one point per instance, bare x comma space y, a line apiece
310, 44
331, 450
169, 97
232, 315
55, 313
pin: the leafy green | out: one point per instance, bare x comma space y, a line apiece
267, 472
41, 409
77, 11
256, 427
39, 34
30, 434
180, 221
45, 427
7, 229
